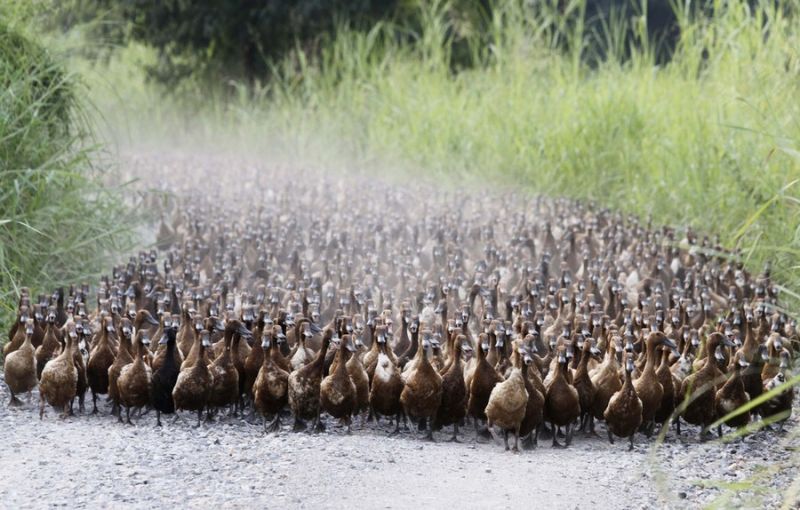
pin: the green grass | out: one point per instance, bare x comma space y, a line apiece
62, 215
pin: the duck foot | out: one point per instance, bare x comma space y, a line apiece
14, 402
274, 425
158, 418
454, 438
630, 448
299, 425
397, 426
610, 437
527, 442
483, 434
556, 444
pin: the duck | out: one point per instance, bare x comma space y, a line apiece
59, 382
422, 393
135, 379
194, 382
20, 367
648, 388
779, 407
562, 402
254, 360
669, 385
508, 402
186, 336
623, 415
17, 334
79, 360
271, 387
534, 409
484, 378
214, 326
100, 360
387, 384
700, 388
225, 387
165, 377
581, 380
301, 355
304, 387
732, 396
123, 358
162, 348
358, 374
51, 344
453, 407
337, 391
774, 349
606, 380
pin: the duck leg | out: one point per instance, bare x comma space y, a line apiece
94, 402
298, 425
318, 426
556, 444
158, 418
349, 421
505, 438
678, 425
719, 430
274, 425
128, 415
66, 412
482, 432
591, 432
610, 437
397, 425
41, 406
570, 429
199, 417
14, 402
536, 435
516, 440
630, 448
429, 435
454, 439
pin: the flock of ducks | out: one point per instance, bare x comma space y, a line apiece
443, 309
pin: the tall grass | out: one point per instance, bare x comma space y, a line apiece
710, 139
62, 215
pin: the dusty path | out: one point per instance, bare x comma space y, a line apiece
90, 461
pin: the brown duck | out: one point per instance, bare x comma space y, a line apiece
337, 392
624, 412
304, 387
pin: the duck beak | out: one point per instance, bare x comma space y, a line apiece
727, 342
243, 331
163, 340
743, 363
150, 320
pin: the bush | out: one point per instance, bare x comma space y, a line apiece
61, 217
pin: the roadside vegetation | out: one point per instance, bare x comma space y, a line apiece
62, 214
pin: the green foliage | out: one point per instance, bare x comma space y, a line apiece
61, 217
